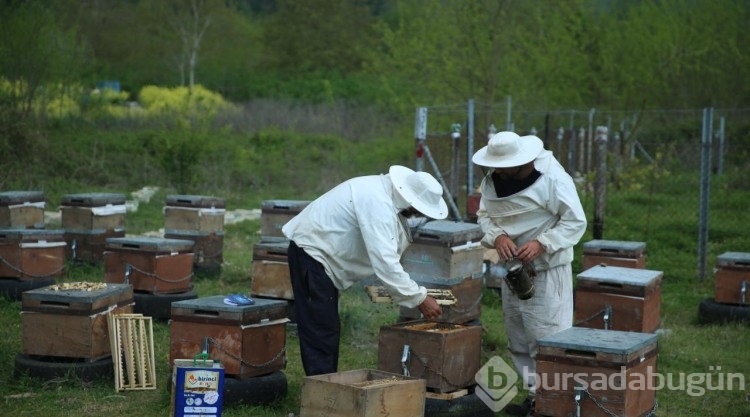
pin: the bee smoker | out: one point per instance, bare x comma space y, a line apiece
520, 278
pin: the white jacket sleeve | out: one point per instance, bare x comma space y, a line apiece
571, 225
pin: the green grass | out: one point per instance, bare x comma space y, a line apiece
685, 347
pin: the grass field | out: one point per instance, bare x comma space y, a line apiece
685, 347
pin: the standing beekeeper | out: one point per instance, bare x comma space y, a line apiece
355, 231
530, 210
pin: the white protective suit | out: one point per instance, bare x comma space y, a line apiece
549, 211
354, 230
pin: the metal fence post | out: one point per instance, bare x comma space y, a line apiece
420, 134
706, 136
600, 184
720, 167
470, 148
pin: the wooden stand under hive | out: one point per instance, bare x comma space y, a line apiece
22, 210
614, 253
732, 281
88, 220
617, 298
362, 393
249, 340
200, 219
150, 264
70, 319
597, 373
446, 355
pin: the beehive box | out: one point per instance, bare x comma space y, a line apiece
89, 245
617, 367
362, 393
248, 340
70, 319
446, 355
31, 254
153, 265
274, 214
22, 210
90, 211
196, 213
271, 269
732, 280
629, 299
444, 249
208, 248
614, 253
468, 293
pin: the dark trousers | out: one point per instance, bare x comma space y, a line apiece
316, 306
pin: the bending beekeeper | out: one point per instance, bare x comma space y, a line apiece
530, 210
356, 231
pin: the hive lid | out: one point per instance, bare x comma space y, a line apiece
8, 198
31, 234
76, 297
621, 275
447, 231
280, 245
198, 201
734, 258
216, 303
284, 205
598, 340
149, 244
92, 199
615, 245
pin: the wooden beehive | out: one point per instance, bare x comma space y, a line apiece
196, 213
249, 340
271, 269
70, 319
208, 248
152, 264
618, 298
362, 393
732, 281
444, 249
89, 245
92, 211
31, 254
22, 210
446, 355
468, 293
614, 253
275, 213
609, 362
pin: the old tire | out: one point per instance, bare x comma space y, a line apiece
50, 367
159, 306
13, 289
468, 405
258, 390
711, 312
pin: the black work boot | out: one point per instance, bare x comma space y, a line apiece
524, 409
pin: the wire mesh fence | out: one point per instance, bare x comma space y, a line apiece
663, 169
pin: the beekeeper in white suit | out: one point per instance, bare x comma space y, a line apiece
530, 210
357, 230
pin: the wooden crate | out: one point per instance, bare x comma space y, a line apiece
580, 355
444, 249
196, 213
468, 293
90, 211
732, 281
249, 340
614, 253
89, 245
446, 355
362, 393
22, 210
274, 214
271, 269
31, 254
629, 299
153, 265
208, 247
70, 320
